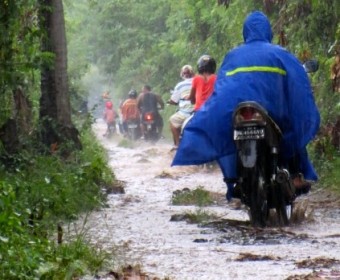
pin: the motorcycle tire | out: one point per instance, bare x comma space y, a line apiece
257, 194
282, 212
152, 135
133, 134
111, 130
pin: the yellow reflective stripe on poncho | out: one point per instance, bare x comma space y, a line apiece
257, 69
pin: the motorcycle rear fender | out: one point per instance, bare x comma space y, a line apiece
273, 132
248, 153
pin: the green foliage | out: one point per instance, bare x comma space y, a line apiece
71, 260
198, 196
199, 216
331, 177
126, 143
327, 162
39, 193
20, 56
166, 114
131, 43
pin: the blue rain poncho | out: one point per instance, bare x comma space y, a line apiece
262, 72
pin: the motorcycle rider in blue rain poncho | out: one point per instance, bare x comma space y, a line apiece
268, 74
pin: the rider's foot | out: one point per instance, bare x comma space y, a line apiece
233, 192
235, 203
301, 185
174, 148
237, 191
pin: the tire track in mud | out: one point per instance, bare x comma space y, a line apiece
137, 225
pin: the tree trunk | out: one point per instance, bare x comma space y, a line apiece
55, 108
9, 138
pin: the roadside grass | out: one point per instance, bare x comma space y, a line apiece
126, 143
35, 196
134, 272
199, 216
166, 114
198, 196
72, 260
331, 176
327, 165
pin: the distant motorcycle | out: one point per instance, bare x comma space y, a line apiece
263, 184
150, 128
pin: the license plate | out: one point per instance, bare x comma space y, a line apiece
132, 126
148, 126
249, 133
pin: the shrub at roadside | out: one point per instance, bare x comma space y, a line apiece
34, 197
198, 196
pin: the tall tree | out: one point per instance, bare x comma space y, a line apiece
55, 108
16, 49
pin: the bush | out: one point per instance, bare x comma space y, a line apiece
198, 196
39, 193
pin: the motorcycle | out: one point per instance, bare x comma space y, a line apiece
151, 131
264, 185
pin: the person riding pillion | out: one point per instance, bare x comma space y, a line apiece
181, 97
129, 110
203, 83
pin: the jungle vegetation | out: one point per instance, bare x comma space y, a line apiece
56, 56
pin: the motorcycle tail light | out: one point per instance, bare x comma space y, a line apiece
248, 114
148, 117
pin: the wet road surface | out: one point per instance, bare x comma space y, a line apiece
137, 225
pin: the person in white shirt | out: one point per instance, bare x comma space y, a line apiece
180, 96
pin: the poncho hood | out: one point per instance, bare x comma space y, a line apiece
257, 28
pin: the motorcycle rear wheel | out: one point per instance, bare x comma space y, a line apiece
132, 134
258, 202
283, 211
152, 135
111, 130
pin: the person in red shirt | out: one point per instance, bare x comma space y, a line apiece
110, 118
203, 83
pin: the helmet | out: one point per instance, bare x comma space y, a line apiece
187, 72
132, 93
108, 105
206, 64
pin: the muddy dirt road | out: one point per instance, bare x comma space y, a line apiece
137, 225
